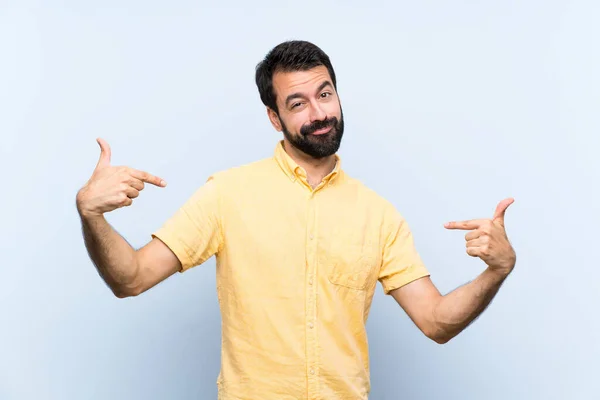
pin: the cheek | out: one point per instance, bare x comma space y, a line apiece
333, 109
294, 122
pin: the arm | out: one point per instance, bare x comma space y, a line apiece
443, 317
127, 272
187, 239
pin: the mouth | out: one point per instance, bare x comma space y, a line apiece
322, 131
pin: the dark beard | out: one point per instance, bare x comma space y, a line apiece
319, 146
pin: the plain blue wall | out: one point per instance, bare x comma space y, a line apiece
450, 107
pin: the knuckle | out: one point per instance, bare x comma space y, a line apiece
132, 182
81, 195
137, 185
128, 172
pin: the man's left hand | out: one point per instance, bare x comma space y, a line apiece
487, 239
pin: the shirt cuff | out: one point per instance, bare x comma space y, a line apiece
403, 277
176, 247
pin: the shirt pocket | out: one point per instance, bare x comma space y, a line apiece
352, 261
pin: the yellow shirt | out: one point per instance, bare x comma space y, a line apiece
296, 273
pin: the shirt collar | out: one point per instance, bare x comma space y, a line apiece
294, 171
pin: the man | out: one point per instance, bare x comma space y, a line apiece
299, 244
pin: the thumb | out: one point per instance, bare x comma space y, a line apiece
501, 210
104, 160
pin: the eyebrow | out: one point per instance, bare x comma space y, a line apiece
297, 94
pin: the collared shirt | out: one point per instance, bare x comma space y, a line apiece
297, 269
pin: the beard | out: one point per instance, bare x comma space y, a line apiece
317, 146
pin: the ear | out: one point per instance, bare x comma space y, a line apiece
274, 118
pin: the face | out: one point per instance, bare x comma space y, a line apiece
310, 115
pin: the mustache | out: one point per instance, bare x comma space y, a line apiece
315, 126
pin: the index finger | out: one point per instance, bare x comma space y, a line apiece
149, 178
467, 225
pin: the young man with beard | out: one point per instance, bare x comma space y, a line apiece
299, 244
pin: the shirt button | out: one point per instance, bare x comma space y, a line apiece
311, 236
310, 281
312, 371
310, 325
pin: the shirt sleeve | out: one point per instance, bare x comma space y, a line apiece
401, 262
194, 233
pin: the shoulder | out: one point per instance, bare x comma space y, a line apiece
377, 206
370, 196
243, 174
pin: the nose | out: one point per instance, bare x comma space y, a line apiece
316, 112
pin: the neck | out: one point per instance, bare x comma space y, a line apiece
316, 168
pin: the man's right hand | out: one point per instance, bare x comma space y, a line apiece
111, 187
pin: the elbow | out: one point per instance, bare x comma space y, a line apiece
438, 335
441, 339
123, 289
120, 294
123, 292
438, 331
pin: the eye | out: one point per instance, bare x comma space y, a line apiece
296, 105
325, 94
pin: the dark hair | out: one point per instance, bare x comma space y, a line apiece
293, 55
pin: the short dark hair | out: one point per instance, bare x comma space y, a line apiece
289, 56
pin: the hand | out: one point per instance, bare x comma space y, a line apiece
488, 241
111, 187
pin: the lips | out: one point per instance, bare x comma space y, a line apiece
318, 128
322, 131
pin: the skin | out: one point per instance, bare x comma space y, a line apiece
441, 318
311, 105
130, 272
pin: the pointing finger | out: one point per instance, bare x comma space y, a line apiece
149, 178
468, 225
104, 160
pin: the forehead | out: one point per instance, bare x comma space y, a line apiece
285, 83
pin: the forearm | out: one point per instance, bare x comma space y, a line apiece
113, 257
456, 310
